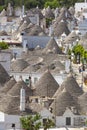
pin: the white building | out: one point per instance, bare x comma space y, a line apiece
36, 76
80, 6
69, 119
82, 27
6, 121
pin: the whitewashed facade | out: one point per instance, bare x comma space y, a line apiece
82, 26
79, 6
6, 121
74, 119
36, 76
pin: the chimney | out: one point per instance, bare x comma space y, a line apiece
38, 21
22, 99
23, 10
50, 30
25, 45
74, 110
20, 78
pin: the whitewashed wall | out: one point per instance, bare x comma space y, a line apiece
78, 6
61, 120
6, 121
12, 119
3, 20
45, 113
17, 50
82, 26
5, 38
58, 77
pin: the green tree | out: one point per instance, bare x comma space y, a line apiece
2, 7
18, 3
9, 1
41, 3
1, 2
3, 45
84, 57
48, 124
52, 4
31, 4
31, 122
78, 49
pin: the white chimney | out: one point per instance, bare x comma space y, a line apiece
22, 99
22, 10
67, 66
25, 45
50, 30
38, 21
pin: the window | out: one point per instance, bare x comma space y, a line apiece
27, 81
13, 125
44, 121
36, 100
68, 120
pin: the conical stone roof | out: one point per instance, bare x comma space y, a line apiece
23, 26
4, 77
71, 87
82, 101
36, 11
8, 85
10, 103
46, 86
3, 33
18, 65
36, 30
49, 13
32, 68
63, 100
52, 47
61, 28
3, 13
72, 37
63, 16
72, 10
15, 91
84, 37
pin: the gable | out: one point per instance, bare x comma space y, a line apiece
68, 112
